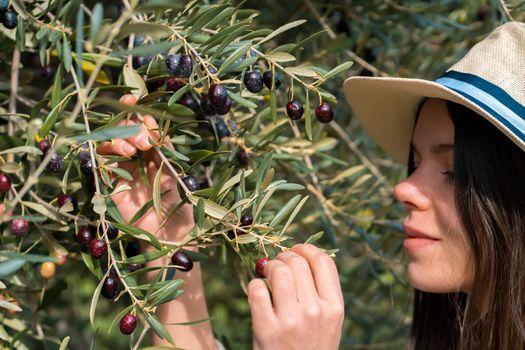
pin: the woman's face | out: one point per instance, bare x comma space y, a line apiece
439, 257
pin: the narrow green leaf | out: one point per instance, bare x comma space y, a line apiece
240, 66
328, 96
112, 208
156, 191
52, 117
289, 187
21, 34
159, 328
241, 100
108, 61
10, 266
176, 96
79, 37
56, 92
35, 111
92, 265
294, 213
234, 180
360, 181
99, 204
148, 256
304, 71
44, 211
261, 205
219, 37
282, 29
228, 40
23, 149
171, 153
283, 48
63, 344
302, 43
257, 34
133, 79
139, 233
225, 14
94, 301
122, 173
108, 133
154, 30
4, 304
167, 293
97, 15
213, 209
34, 258
262, 170
19, 7
144, 209
205, 18
339, 69
267, 179
285, 210
199, 212
186, 140
234, 56
279, 57
314, 238
144, 50
67, 58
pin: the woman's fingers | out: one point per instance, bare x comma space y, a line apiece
140, 141
118, 146
324, 272
149, 129
260, 303
128, 99
302, 277
281, 280
307, 305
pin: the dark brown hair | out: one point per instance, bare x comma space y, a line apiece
489, 176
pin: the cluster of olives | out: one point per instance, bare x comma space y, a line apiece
216, 101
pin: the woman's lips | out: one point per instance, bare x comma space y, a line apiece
416, 240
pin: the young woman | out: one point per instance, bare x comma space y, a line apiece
464, 139
464, 194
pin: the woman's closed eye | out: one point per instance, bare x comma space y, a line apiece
449, 174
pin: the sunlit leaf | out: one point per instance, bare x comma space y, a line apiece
282, 29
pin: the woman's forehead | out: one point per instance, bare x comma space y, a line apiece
434, 125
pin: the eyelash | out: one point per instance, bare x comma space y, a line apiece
449, 174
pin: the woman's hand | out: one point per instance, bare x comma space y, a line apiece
190, 306
129, 202
306, 309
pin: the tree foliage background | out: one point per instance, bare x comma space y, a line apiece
347, 178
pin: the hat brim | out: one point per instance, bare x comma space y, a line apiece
387, 108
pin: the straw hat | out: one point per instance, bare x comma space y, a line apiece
490, 80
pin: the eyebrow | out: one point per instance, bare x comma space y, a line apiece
438, 148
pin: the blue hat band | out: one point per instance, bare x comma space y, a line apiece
490, 97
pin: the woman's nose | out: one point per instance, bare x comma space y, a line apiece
410, 192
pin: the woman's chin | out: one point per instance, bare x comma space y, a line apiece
429, 280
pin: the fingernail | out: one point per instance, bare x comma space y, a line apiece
128, 149
144, 143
